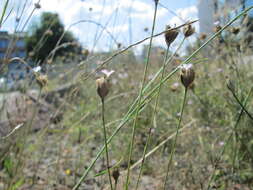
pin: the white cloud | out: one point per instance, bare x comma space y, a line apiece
184, 15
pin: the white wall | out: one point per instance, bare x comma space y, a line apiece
206, 15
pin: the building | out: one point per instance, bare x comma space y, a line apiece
13, 46
211, 11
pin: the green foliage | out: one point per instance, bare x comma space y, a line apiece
45, 35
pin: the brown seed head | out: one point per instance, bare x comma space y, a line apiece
102, 87
188, 30
202, 36
37, 5
116, 174
41, 80
217, 28
85, 52
187, 75
235, 30
170, 35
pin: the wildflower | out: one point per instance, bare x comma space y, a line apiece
188, 30
187, 75
107, 73
170, 35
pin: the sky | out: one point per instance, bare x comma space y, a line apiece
125, 20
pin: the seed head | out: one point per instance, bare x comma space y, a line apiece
170, 35
116, 174
187, 75
202, 36
188, 30
235, 30
102, 87
37, 5
85, 52
41, 80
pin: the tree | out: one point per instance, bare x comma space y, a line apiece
44, 36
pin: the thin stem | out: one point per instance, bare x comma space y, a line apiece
239, 102
175, 141
106, 146
228, 139
165, 62
134, 107
139, 100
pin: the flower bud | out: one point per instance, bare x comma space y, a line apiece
170, 35
187, 75
188, 30
102, 87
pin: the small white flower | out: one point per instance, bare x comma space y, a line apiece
107, 72
186, 66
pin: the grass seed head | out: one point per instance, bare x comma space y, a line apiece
187, 75
170, 35
188, 30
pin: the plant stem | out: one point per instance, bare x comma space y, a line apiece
134, 106
228, 139
139, 100
175, 141
105, 140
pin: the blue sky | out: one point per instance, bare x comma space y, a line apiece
125, 20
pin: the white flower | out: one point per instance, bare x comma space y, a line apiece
107, 72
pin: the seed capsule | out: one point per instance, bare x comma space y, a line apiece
187, 75
170, 35
188, 30
42, 80
102, 87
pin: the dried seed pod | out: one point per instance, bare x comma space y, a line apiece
202, 36
37, 5
116, 174
41, 80
170, 35
217, 28
188, 30
187, 75
102, 87
235, 30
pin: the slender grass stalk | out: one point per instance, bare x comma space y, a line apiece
134, 107
228, 139
106, 146
175, 141
165, 62
139, 100
3, 12
239, 102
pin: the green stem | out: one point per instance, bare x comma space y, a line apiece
175, 141
134, 106
228, 139
139, 100
106, 146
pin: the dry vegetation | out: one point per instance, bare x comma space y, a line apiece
198, 129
